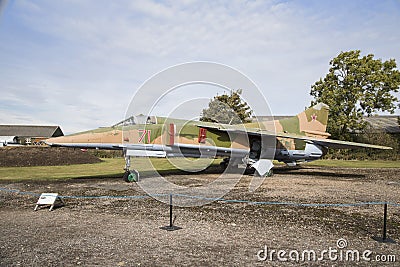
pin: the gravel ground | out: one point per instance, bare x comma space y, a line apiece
126, 232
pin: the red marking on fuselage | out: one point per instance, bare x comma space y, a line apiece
171, 134
314, 117
143, 134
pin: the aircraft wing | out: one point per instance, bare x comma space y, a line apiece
331, 143
154, 150
86, 145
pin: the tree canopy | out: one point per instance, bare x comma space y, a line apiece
355, 87
228, 109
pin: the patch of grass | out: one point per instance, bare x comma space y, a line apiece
110, 167
356, 163
113, 167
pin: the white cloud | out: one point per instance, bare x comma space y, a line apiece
79, 61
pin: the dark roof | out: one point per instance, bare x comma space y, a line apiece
388, 123
30, 131
270, 118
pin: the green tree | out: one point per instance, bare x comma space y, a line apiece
355, 87
229, 109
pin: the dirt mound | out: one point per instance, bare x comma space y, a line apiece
43, 156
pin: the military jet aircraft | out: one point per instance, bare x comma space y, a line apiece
302, 138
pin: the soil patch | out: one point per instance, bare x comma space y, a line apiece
43, 156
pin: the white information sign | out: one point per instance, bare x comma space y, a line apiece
48, 199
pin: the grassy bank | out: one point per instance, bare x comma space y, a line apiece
113, 167
109, 167
356, 163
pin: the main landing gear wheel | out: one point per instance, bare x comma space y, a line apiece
227, 164
270, 173
223, 165
131, 176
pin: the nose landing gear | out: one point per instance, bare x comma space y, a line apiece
130, 176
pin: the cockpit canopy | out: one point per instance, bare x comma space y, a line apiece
135, 120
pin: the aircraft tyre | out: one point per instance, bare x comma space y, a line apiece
131, 176
125, 177
225, 164
270, 173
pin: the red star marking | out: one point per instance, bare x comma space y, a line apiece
313, 117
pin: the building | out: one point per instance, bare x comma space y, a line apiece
385, 123
27, 134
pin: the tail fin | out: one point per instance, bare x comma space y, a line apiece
311, 122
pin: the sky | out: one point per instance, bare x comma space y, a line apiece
78, 64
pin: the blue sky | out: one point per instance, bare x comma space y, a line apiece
77, 64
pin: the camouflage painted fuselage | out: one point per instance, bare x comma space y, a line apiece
195, 138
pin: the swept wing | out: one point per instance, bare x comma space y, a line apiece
331, 143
